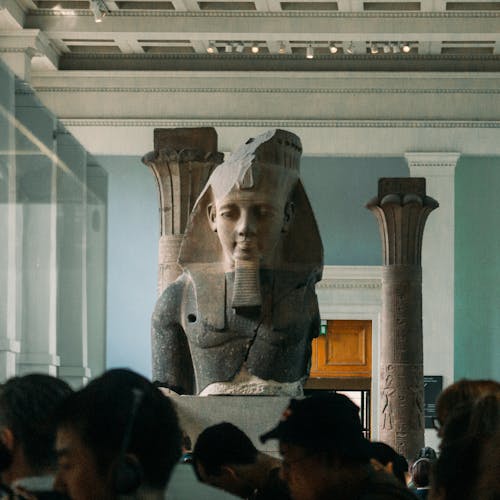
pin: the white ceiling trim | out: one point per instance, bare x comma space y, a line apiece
319, 137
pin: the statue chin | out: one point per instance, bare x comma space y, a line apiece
246, 384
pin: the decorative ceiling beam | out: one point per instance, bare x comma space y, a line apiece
260, 25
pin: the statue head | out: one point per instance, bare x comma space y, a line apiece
253, 212
251, 205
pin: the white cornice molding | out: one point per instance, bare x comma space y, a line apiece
396, 124
340, 138
279, 14
351, 277
432, 163
268, 90
415, 58
32, 41
375, 76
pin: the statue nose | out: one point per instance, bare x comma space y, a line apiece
246, 224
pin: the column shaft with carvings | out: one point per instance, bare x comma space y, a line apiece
402, 208
181, 163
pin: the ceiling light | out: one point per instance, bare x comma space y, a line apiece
310, 52
228, 48
374, 48
282, 48
395, 48
240, 47
333, 48
99, 9
350, 48
255, 48
387, 48
212, 49
406, 47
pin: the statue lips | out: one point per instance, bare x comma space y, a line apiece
245, 249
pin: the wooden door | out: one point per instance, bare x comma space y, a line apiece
343, 356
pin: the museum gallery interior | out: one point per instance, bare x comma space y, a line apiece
91, 91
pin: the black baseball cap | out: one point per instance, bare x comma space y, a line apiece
321, 423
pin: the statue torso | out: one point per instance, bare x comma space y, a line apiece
272, 342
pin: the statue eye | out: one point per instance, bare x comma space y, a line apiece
264, 211
229, 213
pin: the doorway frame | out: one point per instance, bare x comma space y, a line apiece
354, 292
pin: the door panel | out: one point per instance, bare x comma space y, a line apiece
345, 351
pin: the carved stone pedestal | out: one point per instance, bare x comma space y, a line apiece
255, 415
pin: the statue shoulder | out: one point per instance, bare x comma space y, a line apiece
169, 304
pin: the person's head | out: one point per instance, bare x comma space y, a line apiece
27, 424
221, 454
421, 472
115, 435
460, 394
479, 418
427, 452
466, 435
386, 455
320, 437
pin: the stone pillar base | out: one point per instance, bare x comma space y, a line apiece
39, 362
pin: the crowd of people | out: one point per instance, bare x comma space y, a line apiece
119, 437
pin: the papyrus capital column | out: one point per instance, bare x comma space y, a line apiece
181, 162
402, 208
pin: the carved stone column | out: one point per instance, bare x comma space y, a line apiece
181, 162
402, 208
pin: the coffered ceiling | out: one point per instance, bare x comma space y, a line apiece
258, 34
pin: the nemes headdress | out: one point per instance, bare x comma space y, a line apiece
272, 157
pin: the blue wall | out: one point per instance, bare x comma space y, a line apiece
477, 268
339, 189
133, 232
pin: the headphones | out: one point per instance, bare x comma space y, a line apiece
127, 472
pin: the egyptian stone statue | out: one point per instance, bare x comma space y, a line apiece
241, 317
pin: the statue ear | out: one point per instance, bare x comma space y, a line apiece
288, 216
212, 213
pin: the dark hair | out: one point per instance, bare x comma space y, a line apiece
463, 392
384, 454
101, 412
467, 432
420, 472
27, 407
223, 444
456, 470
479, 418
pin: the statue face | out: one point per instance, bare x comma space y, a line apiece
249, 224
